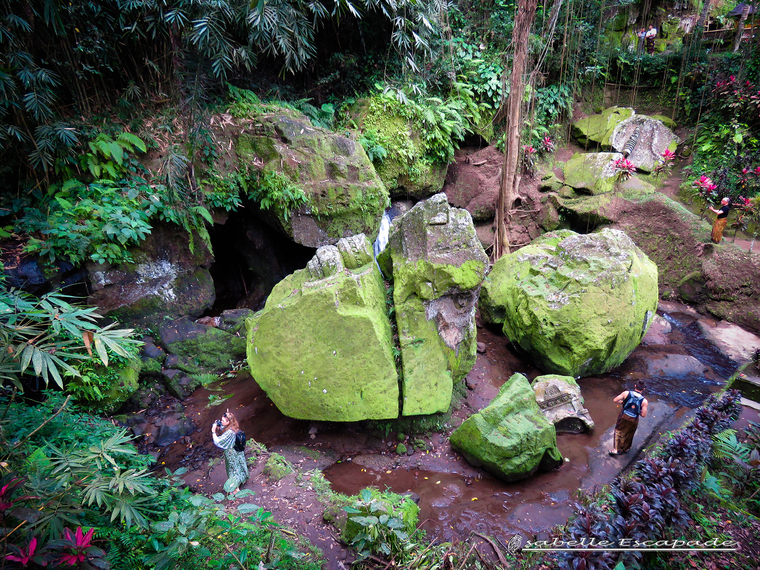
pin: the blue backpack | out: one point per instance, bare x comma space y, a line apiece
632, 404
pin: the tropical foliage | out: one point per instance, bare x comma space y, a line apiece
48, 335
74, 491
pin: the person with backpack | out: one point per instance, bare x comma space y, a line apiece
228, 436
634, 405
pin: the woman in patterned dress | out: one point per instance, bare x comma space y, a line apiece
237, 467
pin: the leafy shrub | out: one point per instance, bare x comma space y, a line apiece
376, 152
380, 523
274, 191
49, 335
97, 221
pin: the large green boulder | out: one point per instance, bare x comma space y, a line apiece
409, 168
592, 172
576, 304
322, 346
344, 194
511, 437
595, 129
437, 265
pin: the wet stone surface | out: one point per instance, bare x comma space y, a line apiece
454, 497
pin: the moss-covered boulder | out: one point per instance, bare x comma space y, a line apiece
652, 138
344, 195
200, 347
117, 383
550, 183
511, 437
437, 265
322, 346
576, 304
595, 129
592, 172
410, 168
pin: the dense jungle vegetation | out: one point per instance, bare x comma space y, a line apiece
88, 87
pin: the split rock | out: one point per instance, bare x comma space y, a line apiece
437, 264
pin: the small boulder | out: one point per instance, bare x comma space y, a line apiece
209, 348
511, 437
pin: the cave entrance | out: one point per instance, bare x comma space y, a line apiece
250, 258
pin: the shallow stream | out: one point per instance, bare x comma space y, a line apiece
679, 368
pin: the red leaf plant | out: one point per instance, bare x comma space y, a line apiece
80, 548
25, 555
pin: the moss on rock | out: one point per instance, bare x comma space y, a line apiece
510, 437
576, 304
321, 348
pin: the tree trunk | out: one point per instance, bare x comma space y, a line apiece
699, 28
510, 176
740, 28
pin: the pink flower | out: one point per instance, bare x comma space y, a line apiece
529, 149
79, 543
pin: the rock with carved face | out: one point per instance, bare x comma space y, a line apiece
559, 398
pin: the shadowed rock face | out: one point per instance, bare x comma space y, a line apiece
437, 265
166, 279
576, 304
510, 437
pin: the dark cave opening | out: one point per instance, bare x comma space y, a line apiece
250, 258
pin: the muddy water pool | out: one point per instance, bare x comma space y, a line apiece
676, 364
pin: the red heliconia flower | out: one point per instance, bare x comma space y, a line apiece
668, 155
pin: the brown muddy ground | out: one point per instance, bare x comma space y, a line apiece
455, 498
